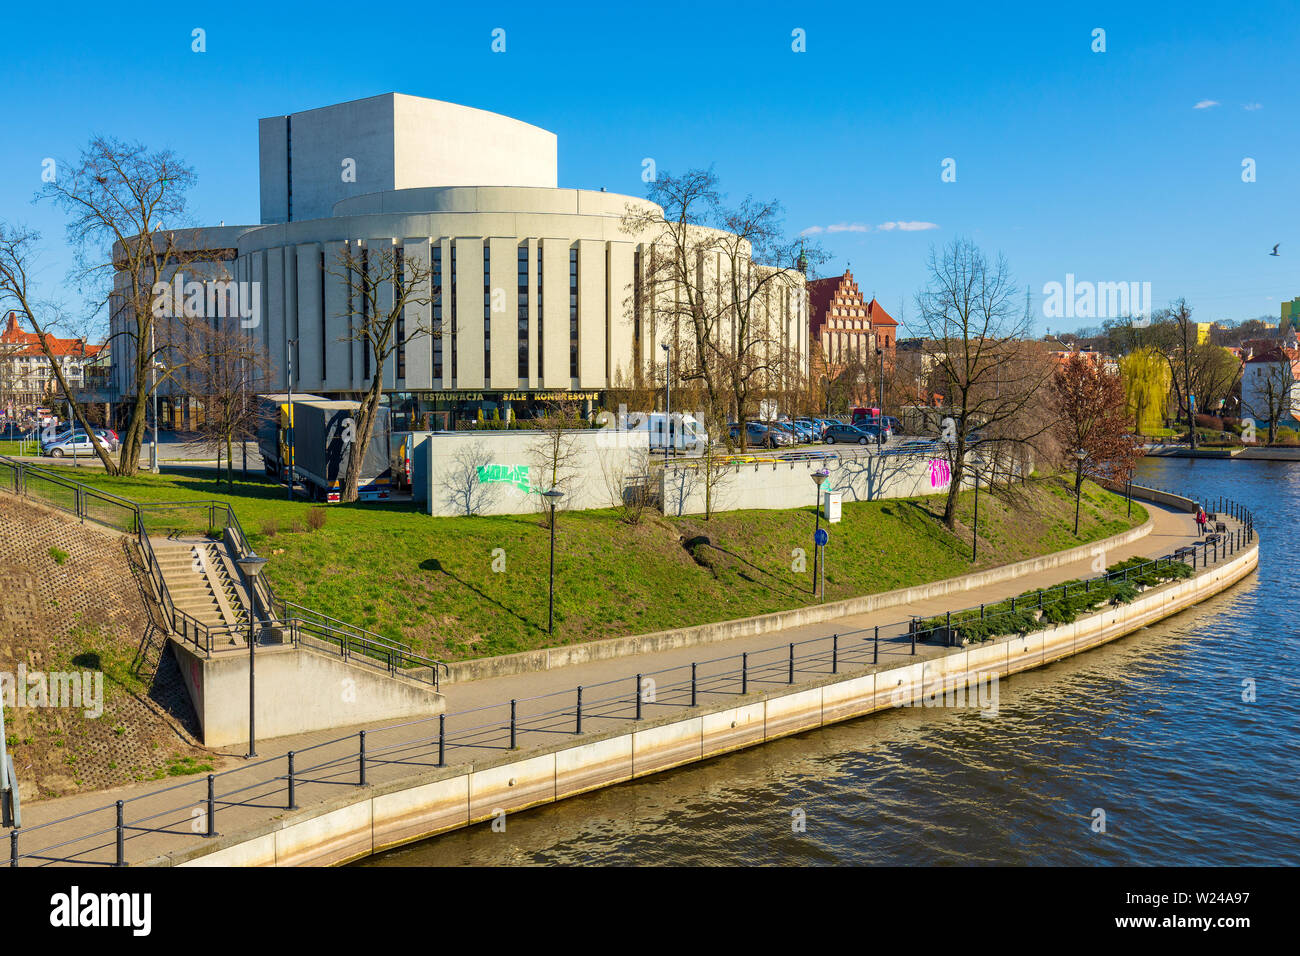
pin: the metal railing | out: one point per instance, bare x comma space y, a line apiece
430, 742
213, 519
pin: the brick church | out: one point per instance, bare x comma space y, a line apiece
846, 330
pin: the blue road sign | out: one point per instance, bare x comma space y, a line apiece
821, 537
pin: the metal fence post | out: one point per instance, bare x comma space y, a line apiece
875, 654
514, 725
442, 740
693, 684
790, 676
744, 673
13, 847
637, 692
293, 803
361, 756
577, 727
1040, 599
212, 806
835, 653
121, 836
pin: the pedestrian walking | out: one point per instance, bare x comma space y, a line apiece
1201, 520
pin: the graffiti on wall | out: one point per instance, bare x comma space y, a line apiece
940, 473
516, 475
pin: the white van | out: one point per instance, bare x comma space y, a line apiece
685, 432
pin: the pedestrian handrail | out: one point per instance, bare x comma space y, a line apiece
212, 517
561, 712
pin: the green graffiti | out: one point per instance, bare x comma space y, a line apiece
516, 475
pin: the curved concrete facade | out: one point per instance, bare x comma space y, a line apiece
538, 293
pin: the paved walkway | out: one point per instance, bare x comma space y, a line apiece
478, 716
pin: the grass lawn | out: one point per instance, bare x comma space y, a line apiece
431, 581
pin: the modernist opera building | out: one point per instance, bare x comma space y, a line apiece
536, 290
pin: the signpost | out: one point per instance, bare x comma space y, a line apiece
820, 538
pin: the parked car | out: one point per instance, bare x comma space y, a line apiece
812, 426
757, 433
878, 433
79, 443
796, 432
848, 434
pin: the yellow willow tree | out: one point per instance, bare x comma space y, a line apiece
1146, 376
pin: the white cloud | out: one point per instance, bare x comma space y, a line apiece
1253, 106
1205, 104
907, 226
901, 226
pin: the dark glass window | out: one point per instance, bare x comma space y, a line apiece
573, 312
399, 290
541, 327
436, 281
453, 311
487, 313
522, 283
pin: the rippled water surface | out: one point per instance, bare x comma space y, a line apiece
1151, 729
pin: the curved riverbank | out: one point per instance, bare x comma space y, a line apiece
405, 811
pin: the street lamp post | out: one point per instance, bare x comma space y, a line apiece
668, 398
819, 477
975, 530
880, 354
553, 497
293, 344
251, 566
1079, 457
153, 384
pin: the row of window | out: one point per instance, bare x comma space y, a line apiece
521, 282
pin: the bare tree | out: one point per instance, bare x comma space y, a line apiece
716, 276
1267, 389
386, 292
17, 251
123, 202
973, 324
465, 486
627, 481
223, 368
555, 452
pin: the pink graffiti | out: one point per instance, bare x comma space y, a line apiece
940, 474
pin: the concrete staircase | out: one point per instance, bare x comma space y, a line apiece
199, 577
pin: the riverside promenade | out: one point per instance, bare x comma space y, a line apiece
476, 728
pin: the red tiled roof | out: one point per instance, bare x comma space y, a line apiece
31, 342
878, 315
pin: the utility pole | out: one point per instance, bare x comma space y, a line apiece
293, 344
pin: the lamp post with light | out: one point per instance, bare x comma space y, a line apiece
553, 498
819, 477
668, 398
1079, 457
251, 566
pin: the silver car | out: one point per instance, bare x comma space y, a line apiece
78, 443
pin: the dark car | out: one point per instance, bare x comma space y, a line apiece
849, 435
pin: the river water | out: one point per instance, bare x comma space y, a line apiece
1151, 730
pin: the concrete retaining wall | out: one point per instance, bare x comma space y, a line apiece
298, 691
547, 658
353, 825
503, 472
859, 475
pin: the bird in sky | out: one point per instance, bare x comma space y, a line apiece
1274, 252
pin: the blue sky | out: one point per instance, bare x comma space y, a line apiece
1067, 160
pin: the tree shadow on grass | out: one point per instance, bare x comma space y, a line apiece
433, 564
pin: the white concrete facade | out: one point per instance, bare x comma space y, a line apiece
560, 311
